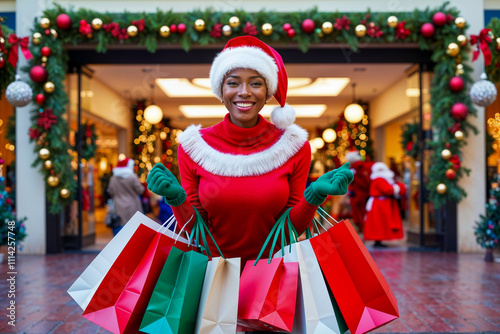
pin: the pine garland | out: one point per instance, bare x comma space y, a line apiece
89, 142
114, 32
409, 139
487, 230
7, 71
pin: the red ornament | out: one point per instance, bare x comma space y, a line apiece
427, 30
173, 28
447, 145
308, 26
459, 111
45, 51
287, 26
290, 32
38, 74
456, 84
450, 174
439, 19
63, 21
2, 62
47, 32
181, 28
40, 98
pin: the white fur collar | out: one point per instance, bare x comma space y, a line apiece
240, 165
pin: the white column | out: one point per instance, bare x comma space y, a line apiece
30, 185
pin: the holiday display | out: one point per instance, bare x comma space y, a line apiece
487, 229
484, 92
18, 93
409, 139
303, 29
88, 144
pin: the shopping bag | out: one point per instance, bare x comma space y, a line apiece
174, 301
318, 313
124, 313
218, 308
85, 286
268, 289
363, 295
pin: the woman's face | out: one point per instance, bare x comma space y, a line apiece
244, 94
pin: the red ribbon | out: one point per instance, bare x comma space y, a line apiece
14, 41
483, 38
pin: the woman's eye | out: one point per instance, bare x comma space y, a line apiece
231, 83
257, 84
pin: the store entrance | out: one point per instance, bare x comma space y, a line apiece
196, 64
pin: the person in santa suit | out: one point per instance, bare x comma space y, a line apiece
243, 173
383, 219
359, 188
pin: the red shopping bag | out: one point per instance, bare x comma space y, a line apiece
267, 296
362, 293
122, 298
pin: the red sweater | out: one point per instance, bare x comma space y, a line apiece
242, 180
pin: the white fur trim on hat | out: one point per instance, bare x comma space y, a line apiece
283, 117
380, 170
353, 156
244, 57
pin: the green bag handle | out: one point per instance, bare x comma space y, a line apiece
201, 229
277, 231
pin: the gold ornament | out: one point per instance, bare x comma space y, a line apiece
360, 30
132, 31
462, 40
48, 87
460, 22
37, 38
96, 23
453, 49
327, 27
267, 29
199, 25
227, 30
89, 35
164, 31
45, 23
498, 42
44, 153
48, 164
53, 181
441, 188
446, 154
53, 33
459, 135
490, 34
392, 21
2, 40
460, 69
44, 59
234, 22
64, 193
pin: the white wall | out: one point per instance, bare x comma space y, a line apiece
390, 104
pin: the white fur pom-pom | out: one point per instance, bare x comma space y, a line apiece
283, 117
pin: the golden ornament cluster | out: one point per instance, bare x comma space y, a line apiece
494, 123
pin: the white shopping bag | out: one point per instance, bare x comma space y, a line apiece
84, 288
315, 314
218, 307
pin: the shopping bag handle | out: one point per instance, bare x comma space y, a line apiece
323, 213
200, 229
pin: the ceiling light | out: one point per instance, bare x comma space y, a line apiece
153, 114
213, 111
354, 113
200, 87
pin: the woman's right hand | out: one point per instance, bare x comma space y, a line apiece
162, 182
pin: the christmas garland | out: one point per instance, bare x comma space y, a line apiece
89, 142
439, 30
7, 70
409, 139
487, 230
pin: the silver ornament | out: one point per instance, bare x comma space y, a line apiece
18, 93
483, 93
227, 30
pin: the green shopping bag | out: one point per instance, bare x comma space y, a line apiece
174, 302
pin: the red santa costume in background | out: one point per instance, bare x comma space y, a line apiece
359, 187
242, 180
383, 219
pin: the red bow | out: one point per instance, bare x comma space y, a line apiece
14, 52
483, 38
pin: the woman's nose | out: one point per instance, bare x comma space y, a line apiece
244, 90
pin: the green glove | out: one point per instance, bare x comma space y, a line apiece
162, 182
332, 183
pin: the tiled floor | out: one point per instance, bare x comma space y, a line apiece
437, 292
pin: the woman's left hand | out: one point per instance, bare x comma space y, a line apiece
333, 183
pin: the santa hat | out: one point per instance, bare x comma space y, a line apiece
353, 156
251, 52
380, 169
127, 162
